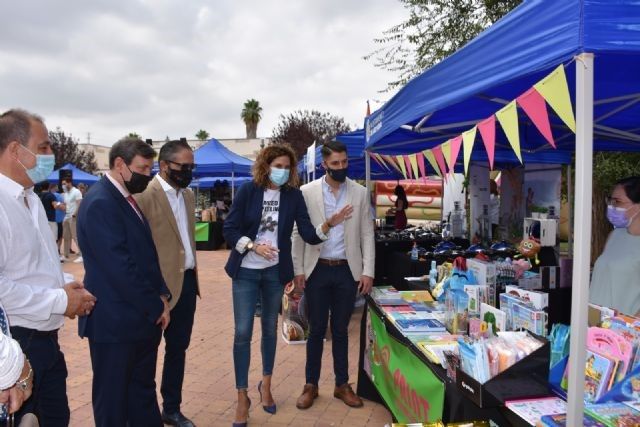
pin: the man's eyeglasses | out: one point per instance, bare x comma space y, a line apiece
184, 166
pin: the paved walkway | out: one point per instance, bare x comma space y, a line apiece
209, 392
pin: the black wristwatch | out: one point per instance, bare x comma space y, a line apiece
249, 246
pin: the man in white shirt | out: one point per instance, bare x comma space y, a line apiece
32, 285
72, 199
169, 206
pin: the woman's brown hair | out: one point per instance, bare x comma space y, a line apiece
262, 167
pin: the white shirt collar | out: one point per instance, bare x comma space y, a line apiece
125, 193
165, 185
12, 188
326, 184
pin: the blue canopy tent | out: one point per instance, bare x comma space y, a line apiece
598, 41
210, 181
214, 159
79, 176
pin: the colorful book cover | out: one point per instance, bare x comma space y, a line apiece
493, 316
613, 414
597, 375
529, 318
532, 410
626, 390
416, 296
611, 343
420, 325
560, 420
387, 295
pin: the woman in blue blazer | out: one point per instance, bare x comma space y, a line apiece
258, 231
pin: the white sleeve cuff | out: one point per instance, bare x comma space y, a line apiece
320, 234
11, 361
60, 304
241, 246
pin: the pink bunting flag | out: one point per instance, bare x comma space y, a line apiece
536, 108
407, 163
423, 170
487, 129
437, 152
375, 157
456, 143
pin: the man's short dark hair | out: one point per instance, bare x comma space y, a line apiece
15, 125
129, 147
171, 148
331, 147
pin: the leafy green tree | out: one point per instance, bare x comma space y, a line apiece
300, 129
66, 151
134, 135
251, 115
434, 30
202, 135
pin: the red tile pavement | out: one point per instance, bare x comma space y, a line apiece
209, 391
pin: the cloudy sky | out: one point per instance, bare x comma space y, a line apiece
170, 67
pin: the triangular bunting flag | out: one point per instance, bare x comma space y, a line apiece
403, 168
456, 143
407, 164
446, 153
555, 90
468, 138
533, 104
382, 161
423, 170
414, 165
432, 160
376, 159
487, 129
391, 161
508, 118
437, 152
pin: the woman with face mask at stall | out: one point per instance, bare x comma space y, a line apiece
258, 232
615, 281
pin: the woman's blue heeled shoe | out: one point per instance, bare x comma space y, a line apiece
244, 424
271, 409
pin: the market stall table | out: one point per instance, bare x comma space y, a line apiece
208, 236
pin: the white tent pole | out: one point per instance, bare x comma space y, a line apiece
582, 253
367, 170
570, 203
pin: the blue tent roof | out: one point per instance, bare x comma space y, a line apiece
506, 60
209, 182
214, 159
79, 176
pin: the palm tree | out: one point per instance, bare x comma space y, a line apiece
202, 135
251, 115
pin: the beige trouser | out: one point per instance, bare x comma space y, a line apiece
54, 230
68, 233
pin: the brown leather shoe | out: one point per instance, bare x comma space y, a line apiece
309, 393
346, 394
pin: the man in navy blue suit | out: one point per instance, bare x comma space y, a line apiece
123, 272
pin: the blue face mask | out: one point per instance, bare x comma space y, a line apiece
279, 176
43, 168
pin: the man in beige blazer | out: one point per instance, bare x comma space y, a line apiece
334, 271
169, 207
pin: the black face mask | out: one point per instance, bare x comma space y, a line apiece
339, 175
181, 178
137, 183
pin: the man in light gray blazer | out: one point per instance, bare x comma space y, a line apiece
333, 272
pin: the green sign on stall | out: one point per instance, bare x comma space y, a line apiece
411, 390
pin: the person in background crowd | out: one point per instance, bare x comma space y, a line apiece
51, 205
72, 199
615, 281
332, 274
169, 206
83, 188
401, 206
494, 208
60, 214
123, 271
32, 284
258, 231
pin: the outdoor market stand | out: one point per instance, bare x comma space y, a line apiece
600, 42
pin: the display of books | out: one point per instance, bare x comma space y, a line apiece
416, 296
420, 325
528, 318
598, 375
560, 420
387, 295
539, 300
493, 316
613, 414
532, 410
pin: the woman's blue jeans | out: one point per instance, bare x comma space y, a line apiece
248, 285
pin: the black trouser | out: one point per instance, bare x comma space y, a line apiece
124, 385
329, 289
177, 337
49, 399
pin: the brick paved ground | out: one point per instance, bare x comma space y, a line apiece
209, 391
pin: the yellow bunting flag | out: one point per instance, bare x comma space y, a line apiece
428, 154
403, 168
468, 138
508, 118
414, 165
555, 91
391, 161
380, 160
446, 152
